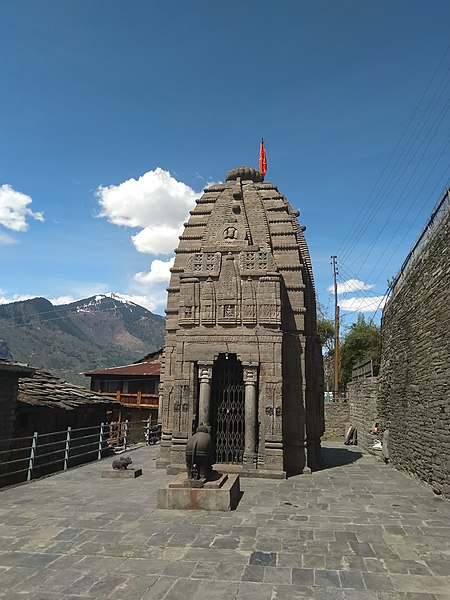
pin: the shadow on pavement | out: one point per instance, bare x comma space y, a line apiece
338, 457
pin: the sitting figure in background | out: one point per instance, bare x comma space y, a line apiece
199, 456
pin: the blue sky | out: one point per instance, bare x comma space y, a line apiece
100, 100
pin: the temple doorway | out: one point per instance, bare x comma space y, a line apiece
228, 409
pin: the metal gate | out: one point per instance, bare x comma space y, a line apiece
228, 409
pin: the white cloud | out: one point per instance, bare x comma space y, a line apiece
6, 239
153, 284
15, 298
369, 304
157, 240
159, 272
351, 285
156, 202
146, 301
63, 300
14, 209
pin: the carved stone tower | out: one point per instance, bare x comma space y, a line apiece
242, 353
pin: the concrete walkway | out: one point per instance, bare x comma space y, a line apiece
357, 530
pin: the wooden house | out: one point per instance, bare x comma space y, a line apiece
135, 386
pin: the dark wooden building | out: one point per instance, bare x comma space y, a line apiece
10, 372
135, 386
46, 403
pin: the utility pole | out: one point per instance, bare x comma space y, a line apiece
336, 331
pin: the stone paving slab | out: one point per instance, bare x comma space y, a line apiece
358, 530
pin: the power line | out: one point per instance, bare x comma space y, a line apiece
403, 192
360, 224
70, 314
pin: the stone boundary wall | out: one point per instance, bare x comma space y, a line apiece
336, 420
415, 364
363, 396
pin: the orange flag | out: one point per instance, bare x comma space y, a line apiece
262, 158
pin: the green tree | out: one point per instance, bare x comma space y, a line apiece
325, 331
362, 342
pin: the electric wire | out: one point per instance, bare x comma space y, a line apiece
402, 221
403, 194
348, 239
362, 224
386, 247
40, 321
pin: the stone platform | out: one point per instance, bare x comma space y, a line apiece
357, 530
222, 494
241, 470
122, 473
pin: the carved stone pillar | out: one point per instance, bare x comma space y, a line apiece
204, 401
251, 414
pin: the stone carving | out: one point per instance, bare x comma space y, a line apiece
203, 263
245, 173
230, 233
248, 302
257, 261
204, 372
122, 463
189, 300
228, 292
208, 303
199, 456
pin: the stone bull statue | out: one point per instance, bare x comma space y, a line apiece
122, 463
199, 454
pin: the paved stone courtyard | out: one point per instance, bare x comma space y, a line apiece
357, 530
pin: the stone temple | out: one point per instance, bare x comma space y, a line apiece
242, 352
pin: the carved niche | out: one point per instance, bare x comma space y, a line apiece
189, 301
228, 293
252, 263
248, 302
208, 303
269, 300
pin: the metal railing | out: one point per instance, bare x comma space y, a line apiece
29, 457
333, 398
363, 369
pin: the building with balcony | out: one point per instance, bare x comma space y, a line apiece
135, 386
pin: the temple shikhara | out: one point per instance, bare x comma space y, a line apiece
242, 353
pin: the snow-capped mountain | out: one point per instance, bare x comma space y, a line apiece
101, 331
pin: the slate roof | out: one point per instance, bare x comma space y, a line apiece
143, 368
44, 389
8, 367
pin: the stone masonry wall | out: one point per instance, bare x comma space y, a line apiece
8, 399
415, 367
336, 420
363, 396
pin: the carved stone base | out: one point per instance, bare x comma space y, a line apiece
222, 495
250, 459
247, 471
241, 470
122, 473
